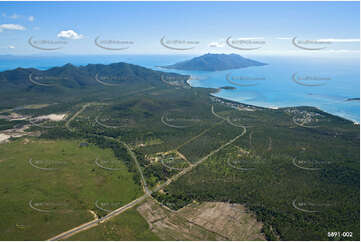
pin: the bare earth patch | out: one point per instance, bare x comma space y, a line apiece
207, 221
168, 225
26, 141
4, 138
5, 135
230, 220
52, 117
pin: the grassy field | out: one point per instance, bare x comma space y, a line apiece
57, 188
129, 226
288, 161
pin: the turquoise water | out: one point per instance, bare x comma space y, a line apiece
325, 83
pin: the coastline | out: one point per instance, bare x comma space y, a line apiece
212, 94
188, 83
217, 90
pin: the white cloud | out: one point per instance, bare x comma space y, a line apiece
12, 27
340, 40
11, 47
216, 44
31, 18
69, 34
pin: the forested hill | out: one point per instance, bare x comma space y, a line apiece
215, 62
71, 76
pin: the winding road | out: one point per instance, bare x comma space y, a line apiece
147, 191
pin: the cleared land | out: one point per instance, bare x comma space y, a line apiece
206, 221
51, 185
59, 198
233, 221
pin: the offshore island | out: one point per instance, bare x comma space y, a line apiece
174, 152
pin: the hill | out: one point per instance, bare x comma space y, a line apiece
215, 62
71, 76
24, 85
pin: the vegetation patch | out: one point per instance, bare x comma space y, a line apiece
49, 186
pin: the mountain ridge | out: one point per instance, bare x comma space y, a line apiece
214, 62
71, 76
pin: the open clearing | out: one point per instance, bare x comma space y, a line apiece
52, 117
49, 201
231, 220
206, 221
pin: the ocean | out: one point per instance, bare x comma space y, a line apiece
330, 84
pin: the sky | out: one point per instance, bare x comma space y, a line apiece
264, 28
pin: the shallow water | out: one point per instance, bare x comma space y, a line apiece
325, 83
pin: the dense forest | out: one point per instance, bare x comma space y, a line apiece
300, 179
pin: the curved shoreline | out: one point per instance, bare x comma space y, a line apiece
212, 94
219, 89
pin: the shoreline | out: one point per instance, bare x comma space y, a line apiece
277, 108
217, 90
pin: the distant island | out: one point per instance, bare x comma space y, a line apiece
352, 99
228, 88
215, 62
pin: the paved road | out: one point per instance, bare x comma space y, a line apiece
148, 192
75, 115
96, 222
131, 153
93, 223
144, 183
191, 167
214, 113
